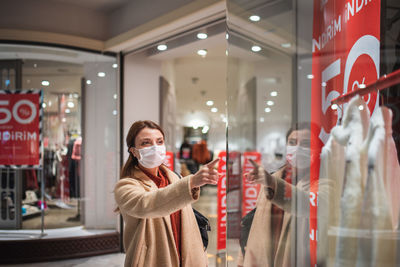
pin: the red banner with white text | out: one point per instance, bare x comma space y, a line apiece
20, 128
250, 191
345, 57
169, 160
221, 198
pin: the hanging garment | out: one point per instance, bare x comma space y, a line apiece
391, 170
332, 164
375, 244
352, 135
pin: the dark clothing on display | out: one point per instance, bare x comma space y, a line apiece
185, 151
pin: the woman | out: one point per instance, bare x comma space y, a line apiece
160, 226
285, 194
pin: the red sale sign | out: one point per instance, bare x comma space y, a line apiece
250, 191
221, 207
345, 56
169, 160
20, 129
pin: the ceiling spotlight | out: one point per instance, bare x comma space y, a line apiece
101, 74
115, 96
310, 76
227, 36
67, 110
254, 18
88, 82
334, 107
214, 110
115, 65
45, 83
115, 112
210, 103
274, 93
361, 107
202, 52
267, 110
202, 35
262, 119
270, 103
44, 105
286, 45
76, 95
255, 48
63, 119
162, 47
70, 104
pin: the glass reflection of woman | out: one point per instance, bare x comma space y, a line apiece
282, 213
160, 226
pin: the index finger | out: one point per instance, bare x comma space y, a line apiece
212, 163
255, 164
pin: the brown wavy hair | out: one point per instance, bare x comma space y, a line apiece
136, 127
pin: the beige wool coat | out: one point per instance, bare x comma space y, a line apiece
146, 209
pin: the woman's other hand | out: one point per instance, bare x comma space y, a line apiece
206, 175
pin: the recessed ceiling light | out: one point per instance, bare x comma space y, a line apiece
115, 96
255, 48
45, 83
70, 104
227, 36
115, 112
360, 107
214, 110
254, 18
334, 107
310, 76
44, 105
162, 47
88, 82
274, 93
67, 110
202, 35
270, 103
267, 110
262, 119
286, 45
210, 103
115, 65
101, 74
202, 52
63, 119
35, 65
76, 95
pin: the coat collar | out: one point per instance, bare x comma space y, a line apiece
140, 175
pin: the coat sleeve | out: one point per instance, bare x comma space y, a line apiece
134, 200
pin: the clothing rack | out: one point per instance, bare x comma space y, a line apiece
382, 83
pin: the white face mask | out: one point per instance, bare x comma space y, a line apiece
151, 157
298, 156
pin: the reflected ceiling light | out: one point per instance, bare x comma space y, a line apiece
205, 129
101, 74
274, 93
362, 86
210, 103
267, 110
202, 35
270, 103
63, 119
115, 96
44, 105
334, 107
227, 36
76, 95
226, 52
286, 45
255, 48
202, 52
254, 18
35, 65
70, 104
271, 80
67, 110
323, 84
361, 107
310, 76
115, 65
45, 83
262, 119
88, 82
214, 110
162, 47
49, 103
115, 112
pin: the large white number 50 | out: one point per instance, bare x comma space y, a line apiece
15, 111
